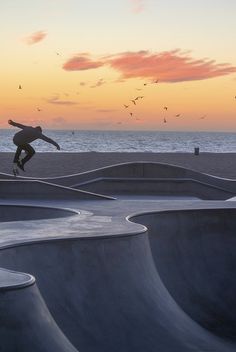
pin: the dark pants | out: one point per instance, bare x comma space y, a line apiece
29, 153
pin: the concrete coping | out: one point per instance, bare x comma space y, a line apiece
11, 280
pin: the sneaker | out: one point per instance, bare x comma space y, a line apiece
20, 165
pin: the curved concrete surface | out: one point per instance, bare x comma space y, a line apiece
148, 172
24, 212
194, 252
142, 177
169, 289
27, 325
106, 284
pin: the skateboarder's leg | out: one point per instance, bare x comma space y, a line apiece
17, 154
29, 153
16, 160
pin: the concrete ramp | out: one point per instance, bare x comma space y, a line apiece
34, 189
150, 186
143, 178
26, 323
194, 253
118, 293
150, 178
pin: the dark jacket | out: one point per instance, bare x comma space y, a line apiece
29, 134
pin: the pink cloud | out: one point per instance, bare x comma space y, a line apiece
81, 62
35, 37
57, 101
99, 83
167, 66
137, 5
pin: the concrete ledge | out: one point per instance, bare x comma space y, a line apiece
155, 186
33, 189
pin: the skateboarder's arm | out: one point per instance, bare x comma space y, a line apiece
16, 124
49, 140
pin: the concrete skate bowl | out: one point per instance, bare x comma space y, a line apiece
170, 289
195, 255
25, 212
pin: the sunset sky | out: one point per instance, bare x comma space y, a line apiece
79, 62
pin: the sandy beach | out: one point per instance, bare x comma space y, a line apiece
59, 164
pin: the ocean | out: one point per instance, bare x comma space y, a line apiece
128, 141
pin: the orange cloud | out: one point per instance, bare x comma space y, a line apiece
106, 111
81, 62
35, 37
167, 66
56, 100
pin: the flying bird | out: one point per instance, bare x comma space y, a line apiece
164, 120
20, 86
156, 81
178, 115
165, 108
145, 84
139, 89
202, 117
126, 106
131, 114
133, 101
38, 109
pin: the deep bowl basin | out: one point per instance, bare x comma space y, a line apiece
26, 212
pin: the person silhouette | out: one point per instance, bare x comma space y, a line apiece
22, 140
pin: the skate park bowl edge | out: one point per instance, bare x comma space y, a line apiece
169, 289
9, 212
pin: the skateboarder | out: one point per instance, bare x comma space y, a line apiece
22, 140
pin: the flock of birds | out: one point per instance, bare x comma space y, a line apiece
165, 108
134, 102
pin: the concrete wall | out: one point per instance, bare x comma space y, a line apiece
166, 187
194, 252
106, 295
27, 325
